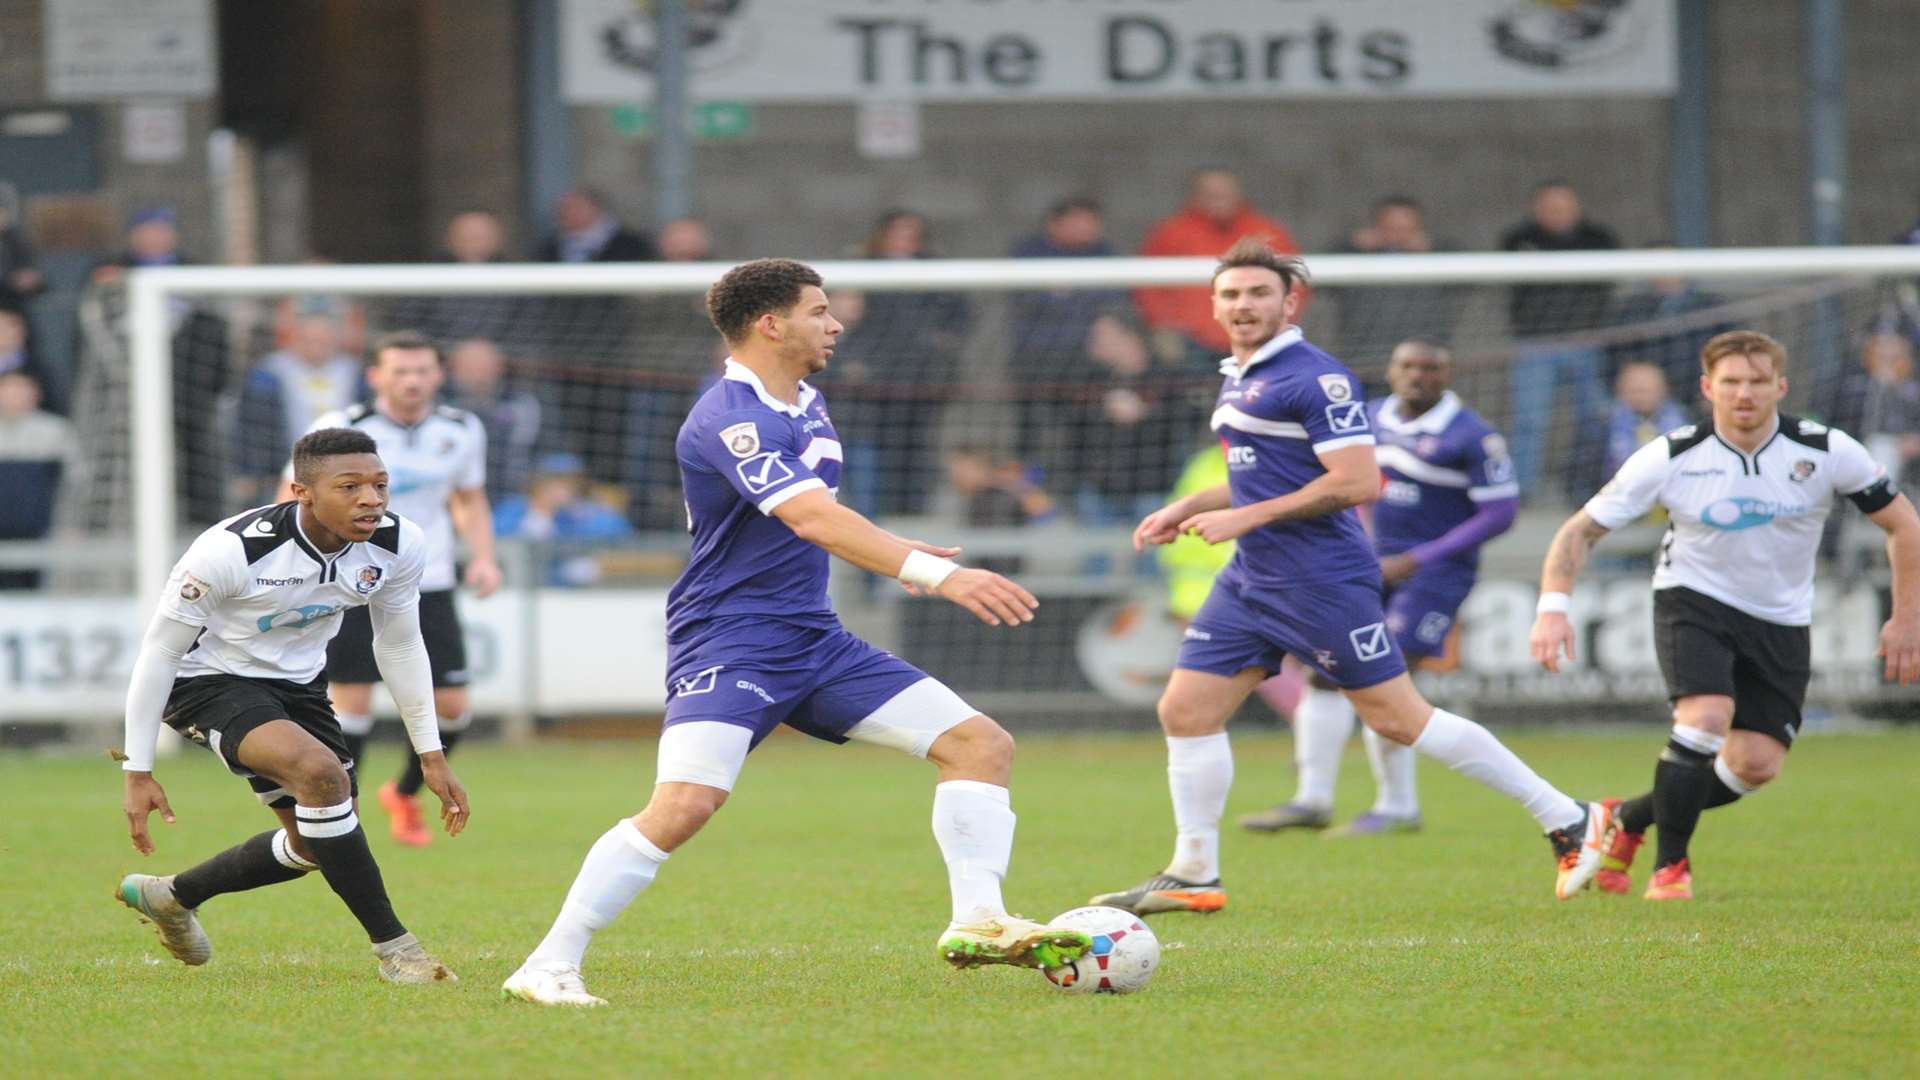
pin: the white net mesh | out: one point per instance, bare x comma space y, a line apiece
1034, 425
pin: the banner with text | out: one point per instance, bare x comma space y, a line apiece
984, 50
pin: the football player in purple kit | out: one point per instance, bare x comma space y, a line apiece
1448, 488
752, 643
1304, 580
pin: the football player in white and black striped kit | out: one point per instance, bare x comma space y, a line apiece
233, 660
437, 458
1747, 494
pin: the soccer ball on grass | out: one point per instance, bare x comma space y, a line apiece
1122, 959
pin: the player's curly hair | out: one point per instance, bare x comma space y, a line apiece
753, 289
1253, 251
315, 446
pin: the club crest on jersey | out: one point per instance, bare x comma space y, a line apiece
1351, 416
192, 588
367, 580
1336, 387
1802, 471
741, 440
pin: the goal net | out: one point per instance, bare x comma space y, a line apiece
1029, 410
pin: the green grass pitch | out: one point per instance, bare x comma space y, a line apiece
795, 937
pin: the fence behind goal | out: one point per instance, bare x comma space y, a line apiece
1020, 408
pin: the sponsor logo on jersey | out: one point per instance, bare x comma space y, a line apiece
742, 684
278, 581
1239, 455
1370, 642
1194, 633
764, 472
1802, 471
1401, 493
1336, 387
1351, 416
700, 682
192, 588
741, 440
1732, 515
1703, 472
367, 580
298, 618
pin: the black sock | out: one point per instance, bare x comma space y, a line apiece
262, 860
412, 778
1681, 782
339, 845
1636, 815
356, 745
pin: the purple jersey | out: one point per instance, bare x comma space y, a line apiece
1288, 405
742, 453
1438, 468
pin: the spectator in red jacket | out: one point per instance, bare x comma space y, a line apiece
1216, 215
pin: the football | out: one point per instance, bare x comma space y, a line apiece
1123, 957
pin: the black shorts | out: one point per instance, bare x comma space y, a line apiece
350, 654
218, 711
1707, 647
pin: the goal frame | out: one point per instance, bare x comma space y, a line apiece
151, 289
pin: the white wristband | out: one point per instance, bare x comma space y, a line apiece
1553, 602
926, 571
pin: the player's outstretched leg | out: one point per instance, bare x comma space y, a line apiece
1321, 726
329, 830
973, 823
699, 762
1396, 710
1193, 713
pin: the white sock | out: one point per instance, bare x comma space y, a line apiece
1393, 766
1472, 751
1321, 726
1199, 773
973, 823
354, 723
620, 865
1732, 779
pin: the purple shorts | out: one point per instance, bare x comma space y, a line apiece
1421, 609
1337, 629
759, 674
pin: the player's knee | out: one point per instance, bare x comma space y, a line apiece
987, 745
1754, 769
1184, 717
1393, 726
688, 805
319, 780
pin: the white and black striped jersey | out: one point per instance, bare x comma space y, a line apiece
426, 463
1744, 528
268, 600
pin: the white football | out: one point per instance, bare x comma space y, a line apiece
1123, 956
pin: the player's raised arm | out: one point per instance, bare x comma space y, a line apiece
401, 654
817, 518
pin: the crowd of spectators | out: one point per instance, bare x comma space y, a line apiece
1106, 391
